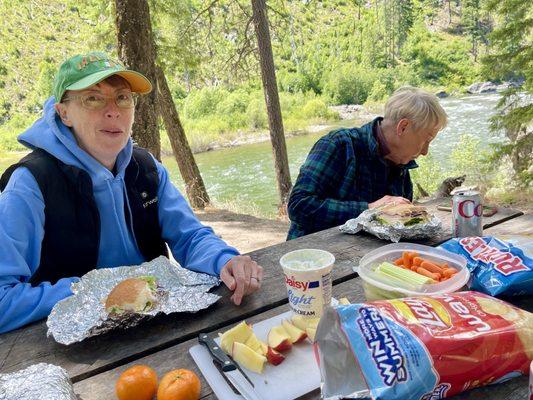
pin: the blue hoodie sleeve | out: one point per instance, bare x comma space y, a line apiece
194, 245
21, 233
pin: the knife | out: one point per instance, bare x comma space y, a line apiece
229, 368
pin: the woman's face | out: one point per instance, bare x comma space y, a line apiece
104, 132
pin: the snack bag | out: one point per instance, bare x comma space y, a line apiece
421, 348
496, 267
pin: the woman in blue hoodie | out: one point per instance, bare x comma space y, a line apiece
86, 198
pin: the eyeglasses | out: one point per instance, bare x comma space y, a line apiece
94, 101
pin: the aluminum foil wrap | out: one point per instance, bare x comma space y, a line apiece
83, 315
395, 232
37, 382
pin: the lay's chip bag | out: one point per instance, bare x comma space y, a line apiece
421, 348
496, 267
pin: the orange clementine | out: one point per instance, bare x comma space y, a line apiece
179, 384
137, 383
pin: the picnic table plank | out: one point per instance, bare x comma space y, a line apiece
29, 345
519, 226
101, 386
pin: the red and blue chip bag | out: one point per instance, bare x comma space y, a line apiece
421, 348
496, 267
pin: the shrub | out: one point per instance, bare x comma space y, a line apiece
203, 102
349, 84
256, 114
316, 108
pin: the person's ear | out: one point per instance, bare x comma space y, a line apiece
402, 126
62, 111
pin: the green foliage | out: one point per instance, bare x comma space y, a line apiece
327, 52
512, 42
203, 102
428, 175
10, 131
316, 108
470, 157
439, 59
350, 84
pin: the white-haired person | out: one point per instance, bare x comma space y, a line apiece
351, 170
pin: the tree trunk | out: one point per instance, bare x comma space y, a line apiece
136, 50
268, 75
194, 185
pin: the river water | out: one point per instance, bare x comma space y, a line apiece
244, 176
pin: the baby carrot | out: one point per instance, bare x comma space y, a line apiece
406, 259
449, 272
418, 261
425, 272
398, 262
431, 267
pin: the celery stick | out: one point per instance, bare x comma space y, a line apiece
393, 281
403, 274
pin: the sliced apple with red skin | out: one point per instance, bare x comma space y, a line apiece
256, 345
239, 333
297, 335
248, 358
279, 339
274, 357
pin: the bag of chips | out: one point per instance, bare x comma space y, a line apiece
421, 348
496, 267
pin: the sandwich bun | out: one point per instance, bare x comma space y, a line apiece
404, 210
132, 294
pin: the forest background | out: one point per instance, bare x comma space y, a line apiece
326, 53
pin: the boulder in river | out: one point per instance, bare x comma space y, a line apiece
482, 87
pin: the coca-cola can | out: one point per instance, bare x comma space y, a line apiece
467, 214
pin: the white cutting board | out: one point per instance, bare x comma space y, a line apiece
297, 375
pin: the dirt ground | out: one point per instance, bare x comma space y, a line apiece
244, 232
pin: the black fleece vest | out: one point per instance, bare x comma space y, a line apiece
72, 221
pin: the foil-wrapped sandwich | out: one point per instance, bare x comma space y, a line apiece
37, 382
395, 222
121, 297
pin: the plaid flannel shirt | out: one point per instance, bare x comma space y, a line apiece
341, 175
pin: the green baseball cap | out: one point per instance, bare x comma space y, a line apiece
84, 70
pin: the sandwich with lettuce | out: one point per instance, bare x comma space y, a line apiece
133, 295
402, 214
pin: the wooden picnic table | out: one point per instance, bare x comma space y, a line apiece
163, 342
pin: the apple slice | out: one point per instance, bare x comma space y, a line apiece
274, 357
239, 333
279, 339
304, 323
311, 332
256, 345
248, 358
264, 347
344, 301
296, 334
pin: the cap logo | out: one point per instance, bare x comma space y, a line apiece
105, 62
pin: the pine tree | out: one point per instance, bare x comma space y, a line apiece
512, 58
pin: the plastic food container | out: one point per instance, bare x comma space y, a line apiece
378, 287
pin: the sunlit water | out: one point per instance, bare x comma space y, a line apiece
245, 175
